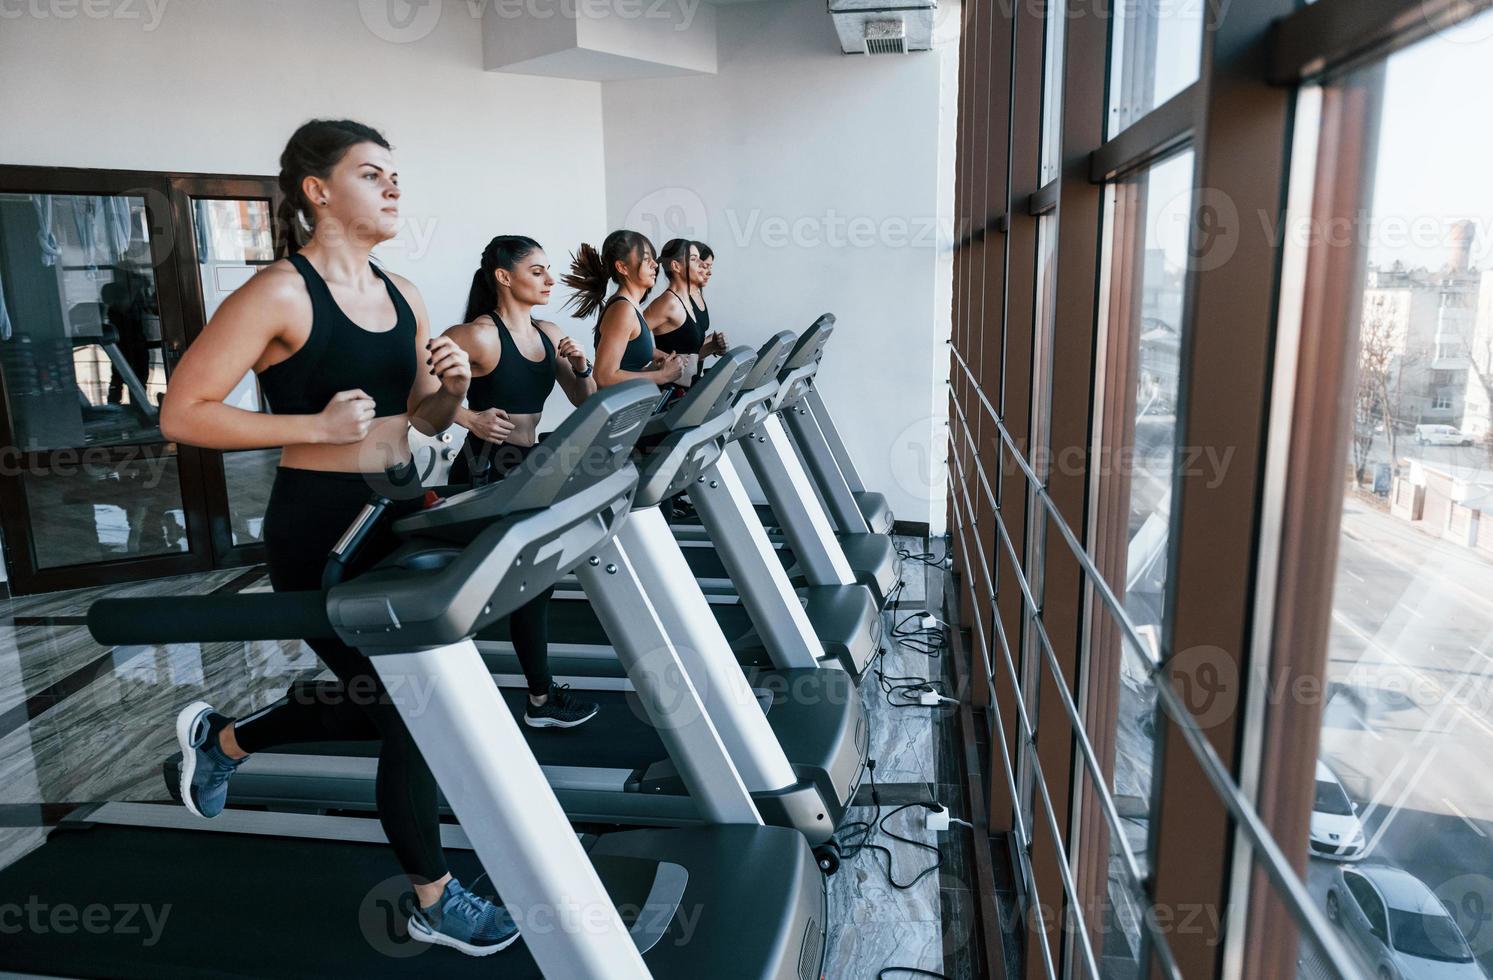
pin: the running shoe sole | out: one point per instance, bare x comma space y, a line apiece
422, 933
533, 722
186, 721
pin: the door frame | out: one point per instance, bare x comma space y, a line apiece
200, 472
185, 188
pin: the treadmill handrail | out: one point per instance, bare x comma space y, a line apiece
211, 619
392, 603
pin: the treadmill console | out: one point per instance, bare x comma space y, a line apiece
594, 442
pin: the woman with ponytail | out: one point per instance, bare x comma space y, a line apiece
346, 362
516, 362
624, 342
678, 325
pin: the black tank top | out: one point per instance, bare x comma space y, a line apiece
517, 384
339, 355
639, 353
688, 337
702, 316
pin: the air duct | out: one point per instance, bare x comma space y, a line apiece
882, 27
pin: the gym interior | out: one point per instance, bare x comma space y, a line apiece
985, 489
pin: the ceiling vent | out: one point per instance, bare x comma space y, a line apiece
884, 26
886, 37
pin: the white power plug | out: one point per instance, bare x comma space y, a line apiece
928, 621
936, 818
929, 699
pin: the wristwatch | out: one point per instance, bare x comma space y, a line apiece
586, 373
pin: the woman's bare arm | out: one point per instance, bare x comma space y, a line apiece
244, 332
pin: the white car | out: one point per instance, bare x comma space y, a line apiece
1400, 925
1336, 831
1441, 435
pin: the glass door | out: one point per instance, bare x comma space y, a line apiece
233, 236
90, 492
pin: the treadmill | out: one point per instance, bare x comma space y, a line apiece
818, 552
766, 624
851, 507
801, 760
256, 893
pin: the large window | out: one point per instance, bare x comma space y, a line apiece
1146, 233
1404, 784
1155, 51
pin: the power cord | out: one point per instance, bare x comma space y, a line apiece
924, 638
858, 834
922, 557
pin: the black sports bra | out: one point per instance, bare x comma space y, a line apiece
688, 337
639, 352
517, 384
339, 355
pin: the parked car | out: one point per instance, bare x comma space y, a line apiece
1336, 831
1400, 925
1441, 435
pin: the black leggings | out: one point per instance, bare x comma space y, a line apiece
528, 625
307, 513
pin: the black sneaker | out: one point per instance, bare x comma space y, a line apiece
560, 710
681, 509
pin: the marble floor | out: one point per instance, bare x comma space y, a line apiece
928, 926
81, 723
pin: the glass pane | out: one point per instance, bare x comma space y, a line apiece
1052, 90
1032, 660
1156, 47
80, 330
234, 239
95, 508
250, 475
1146, 264
1407, 731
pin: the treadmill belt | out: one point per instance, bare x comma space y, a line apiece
619, 737
224, 905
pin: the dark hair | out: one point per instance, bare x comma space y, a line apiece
676, 250
502, 252
313, 150
706, 252
590, 270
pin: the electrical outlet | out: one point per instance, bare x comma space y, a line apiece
936, 818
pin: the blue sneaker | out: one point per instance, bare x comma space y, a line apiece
464, 921
205, 768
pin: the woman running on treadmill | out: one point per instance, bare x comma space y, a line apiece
624, 341
516, 361
678, 325
345, 361
697, 290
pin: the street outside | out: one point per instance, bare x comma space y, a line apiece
1408, 723
1408, 718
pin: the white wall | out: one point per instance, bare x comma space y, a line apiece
823, 181
217, 86
816, 178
